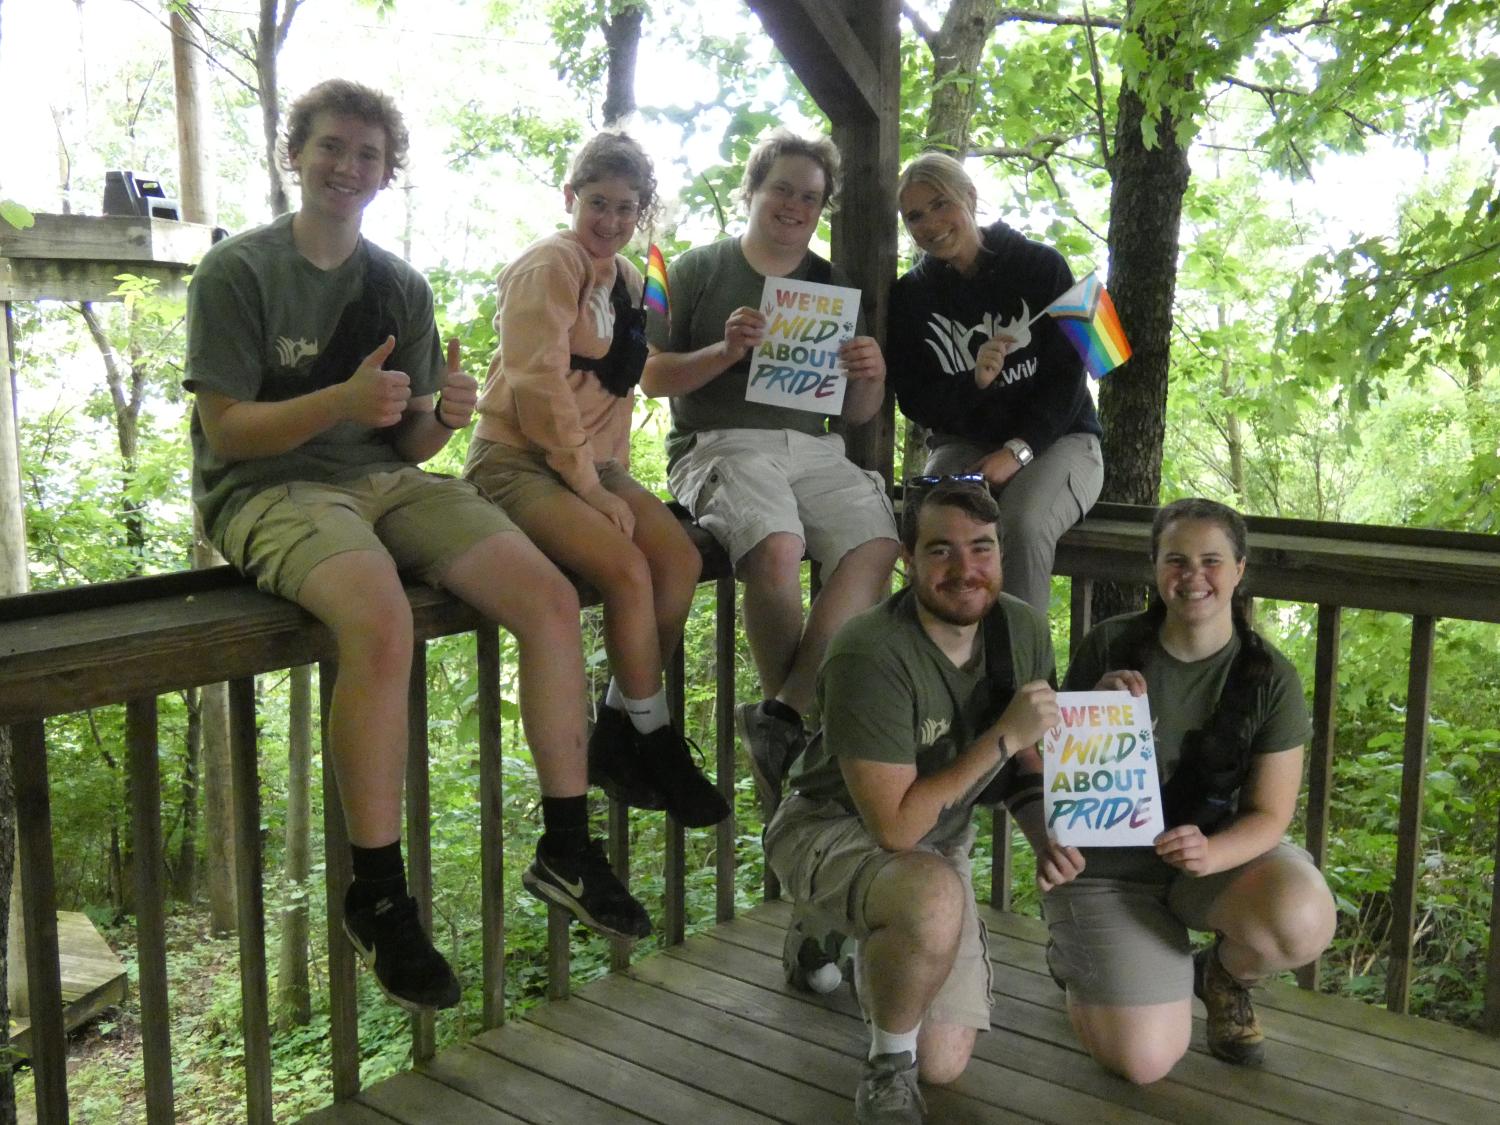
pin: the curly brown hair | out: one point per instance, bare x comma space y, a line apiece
346, 99
609, 154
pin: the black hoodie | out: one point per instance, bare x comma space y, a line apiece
938, 321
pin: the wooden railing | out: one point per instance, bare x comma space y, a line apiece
130, 642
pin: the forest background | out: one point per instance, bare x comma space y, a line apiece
1333, 355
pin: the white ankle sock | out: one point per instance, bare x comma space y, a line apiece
893, 1042
647, 715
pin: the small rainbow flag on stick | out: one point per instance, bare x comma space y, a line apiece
1087, 317
654, 295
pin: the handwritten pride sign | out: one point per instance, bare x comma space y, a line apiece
1099, 771
797, 364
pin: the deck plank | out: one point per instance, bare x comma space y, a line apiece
708, 1031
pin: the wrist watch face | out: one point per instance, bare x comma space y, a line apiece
1023, 455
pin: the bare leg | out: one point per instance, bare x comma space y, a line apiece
358, 595
915, 910
1140, 1043
1276, 915
675, 566
507, 579
772, 573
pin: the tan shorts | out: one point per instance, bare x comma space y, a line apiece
826, 860
422, 520
518, 478
1116, 943
743, 485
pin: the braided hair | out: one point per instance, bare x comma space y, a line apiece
1215, 759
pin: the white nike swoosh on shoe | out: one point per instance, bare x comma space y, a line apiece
573, 888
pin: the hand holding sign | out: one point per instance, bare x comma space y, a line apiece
374, 396
745, 328
861, 359
1099, 781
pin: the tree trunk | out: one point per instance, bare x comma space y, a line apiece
7, 919
293, 997
1147, 184
267, 45
622, 38
185, 868
1234, 430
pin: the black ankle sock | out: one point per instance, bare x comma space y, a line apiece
378, 872
565, 824
779, 710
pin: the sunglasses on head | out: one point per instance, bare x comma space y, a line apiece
958, 478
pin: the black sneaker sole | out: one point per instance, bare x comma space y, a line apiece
416, 1007
555, 895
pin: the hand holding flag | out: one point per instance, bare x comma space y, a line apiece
1088, 319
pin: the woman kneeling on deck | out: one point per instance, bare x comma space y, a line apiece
1231, 723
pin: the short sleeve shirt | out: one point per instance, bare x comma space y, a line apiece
889, 694
706, 284
258, 315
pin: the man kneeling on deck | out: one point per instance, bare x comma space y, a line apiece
921, 710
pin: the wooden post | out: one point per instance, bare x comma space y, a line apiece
491, 836
1320, 755
728, 829
1409, 830
13, 580
196, 195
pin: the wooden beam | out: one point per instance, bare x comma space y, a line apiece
108, 238
1408, 870
819, 43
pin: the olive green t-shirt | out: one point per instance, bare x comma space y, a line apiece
706, 284
887, 693
1183, 696
258, 315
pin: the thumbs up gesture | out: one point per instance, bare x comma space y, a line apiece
459, 393
374, 396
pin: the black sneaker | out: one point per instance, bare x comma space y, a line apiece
690, 797
586, 885
615, 764
772, 745
393, 945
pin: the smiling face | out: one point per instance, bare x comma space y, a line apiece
1196, 572
955, 565
784, 210
941, 224
342, 165
604, 214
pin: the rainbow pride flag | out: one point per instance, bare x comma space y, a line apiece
1087, 317
654, 295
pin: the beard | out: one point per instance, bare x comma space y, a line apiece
954, 613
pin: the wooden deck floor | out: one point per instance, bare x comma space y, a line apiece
707, 1033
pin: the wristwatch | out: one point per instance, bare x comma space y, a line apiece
1020, 449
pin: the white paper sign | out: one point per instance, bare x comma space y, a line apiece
797, 364
1100, 786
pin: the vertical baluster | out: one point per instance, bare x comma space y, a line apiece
39, 895
419, 828
491, 840
343, 995
1001, 858
727, 831
1080, 611
674, 907
1489, 1019
1409, 832
150, 913
1320, 753
619, 861
250, 901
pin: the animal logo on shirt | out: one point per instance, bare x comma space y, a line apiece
932, 730
956, 346
291, 352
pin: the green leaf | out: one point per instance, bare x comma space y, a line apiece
16, 215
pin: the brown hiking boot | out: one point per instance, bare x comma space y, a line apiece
1234, 1033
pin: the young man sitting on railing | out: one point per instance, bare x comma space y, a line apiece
924, 698
320, 386
769, 482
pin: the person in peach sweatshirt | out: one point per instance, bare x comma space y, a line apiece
552, 446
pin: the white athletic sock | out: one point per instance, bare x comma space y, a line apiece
647, 715
613, 696
892, 1042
